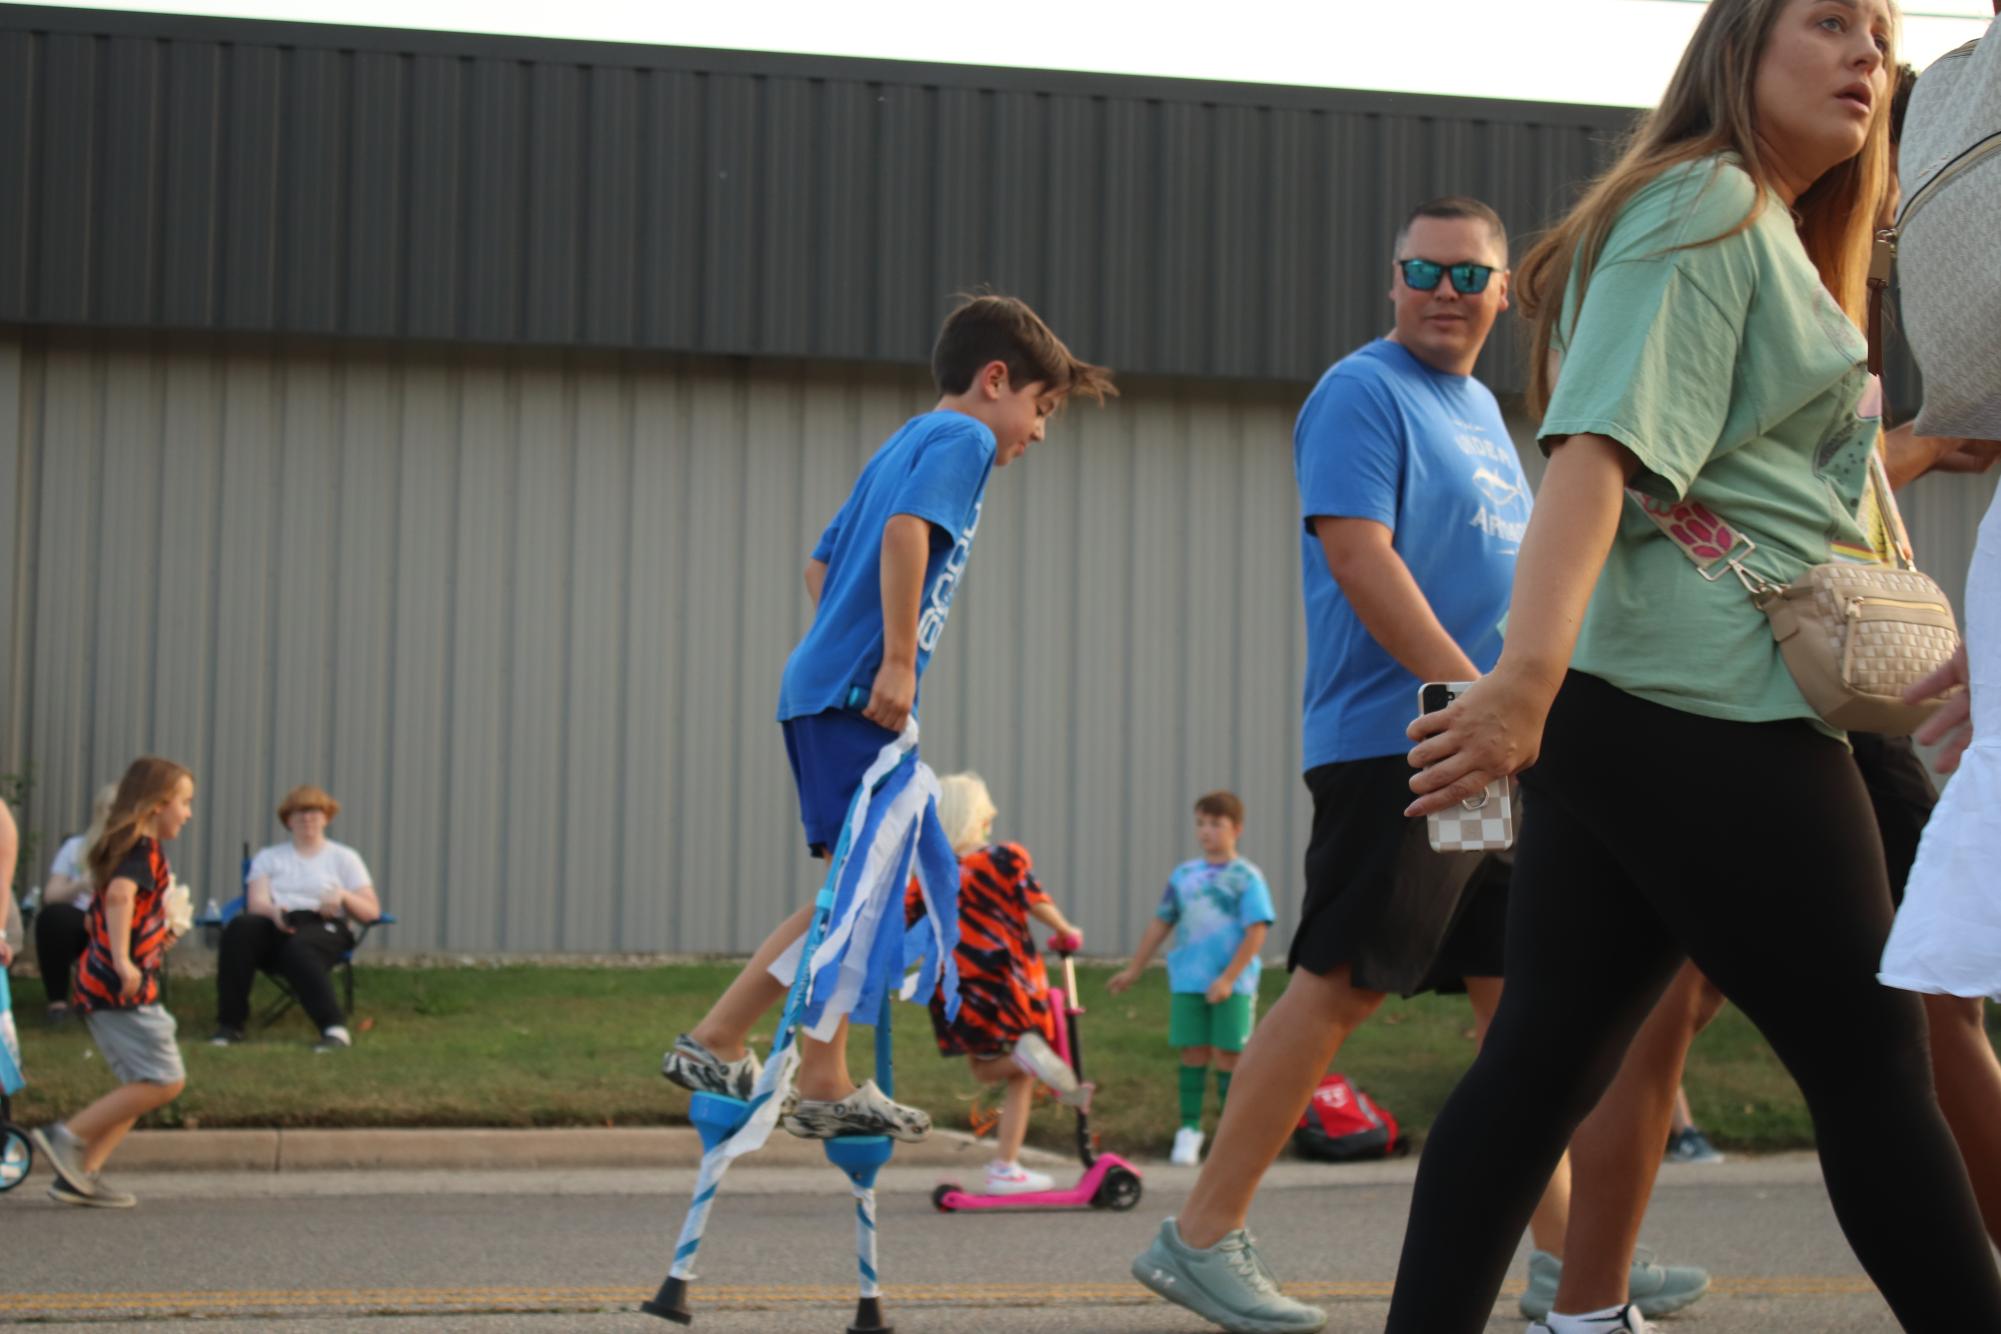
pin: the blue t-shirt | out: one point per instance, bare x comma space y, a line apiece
1212, 905
1385, 437
935, 467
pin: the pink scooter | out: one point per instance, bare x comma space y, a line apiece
1109, 1181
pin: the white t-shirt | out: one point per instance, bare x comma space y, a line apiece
299, 883
70, 862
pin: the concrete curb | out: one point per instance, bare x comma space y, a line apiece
646, 1147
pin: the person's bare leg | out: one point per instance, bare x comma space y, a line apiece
1616, 1151
1276, 1075
725, 1029
102, 1125
823, 1067
1681, 1118
1015, 1106
1968, 1079
1551, 1219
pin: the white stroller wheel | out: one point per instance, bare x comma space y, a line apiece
16, 1156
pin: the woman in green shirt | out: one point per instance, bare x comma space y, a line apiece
1696, 340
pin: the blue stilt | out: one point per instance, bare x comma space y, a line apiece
861, 1157
719, 1119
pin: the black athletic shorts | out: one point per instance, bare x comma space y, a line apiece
1901, 790
1404, 918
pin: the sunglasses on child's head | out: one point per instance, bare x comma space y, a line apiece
1421, 275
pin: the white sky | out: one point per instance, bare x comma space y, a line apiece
1615, 52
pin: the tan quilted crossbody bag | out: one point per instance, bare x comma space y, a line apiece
1854, 635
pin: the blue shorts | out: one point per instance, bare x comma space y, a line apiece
830, 753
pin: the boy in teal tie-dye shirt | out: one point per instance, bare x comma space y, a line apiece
1219, 909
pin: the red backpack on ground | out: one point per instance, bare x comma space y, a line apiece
1342, 1125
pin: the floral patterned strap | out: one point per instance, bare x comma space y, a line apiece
1713, 545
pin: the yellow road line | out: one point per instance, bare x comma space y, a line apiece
723, 1296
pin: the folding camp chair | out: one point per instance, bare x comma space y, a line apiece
286, 999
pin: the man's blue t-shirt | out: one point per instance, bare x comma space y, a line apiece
935, 467
1212, 905
1385, 437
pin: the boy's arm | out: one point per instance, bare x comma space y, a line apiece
1387, 600
1247, 950
906, 550
118, 897
1156, 931
816, 578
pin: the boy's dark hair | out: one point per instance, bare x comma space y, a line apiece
986, 328
1456, 206
1224, 805
1900, 100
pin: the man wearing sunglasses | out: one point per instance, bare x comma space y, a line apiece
1414, 504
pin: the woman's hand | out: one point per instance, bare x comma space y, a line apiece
333, 904
129, 977
1953, 723
1122, 979
1491, 731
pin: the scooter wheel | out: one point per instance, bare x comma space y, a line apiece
939, 1195
1119, 1190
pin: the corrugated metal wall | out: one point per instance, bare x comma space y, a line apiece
524, 613
169, 171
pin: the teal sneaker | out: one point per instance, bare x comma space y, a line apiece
1227, 1284
1656, 1289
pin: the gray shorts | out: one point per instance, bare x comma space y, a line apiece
138, 1045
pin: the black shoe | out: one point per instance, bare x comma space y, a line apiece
225, 1036
57, 1016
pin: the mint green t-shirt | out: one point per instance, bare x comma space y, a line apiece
1735, 378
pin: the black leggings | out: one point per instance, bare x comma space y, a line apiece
1751, 848
305, 958
60, 940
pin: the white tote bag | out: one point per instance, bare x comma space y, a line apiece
1949, 239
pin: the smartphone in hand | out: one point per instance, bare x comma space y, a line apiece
1485, 823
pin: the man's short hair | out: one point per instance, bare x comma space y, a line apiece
1223, 805
986, 328
1456, 206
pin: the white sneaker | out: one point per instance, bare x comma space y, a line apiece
1187, 1147
1014, 1179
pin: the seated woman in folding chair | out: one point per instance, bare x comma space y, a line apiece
299, 897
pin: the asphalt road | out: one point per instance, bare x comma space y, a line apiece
383, 1251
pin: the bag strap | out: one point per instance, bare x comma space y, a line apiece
1713, 546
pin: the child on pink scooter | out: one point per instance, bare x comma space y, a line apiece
1006, 1023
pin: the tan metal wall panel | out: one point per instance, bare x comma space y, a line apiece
480, 775
525, 614
72, 543
17, 545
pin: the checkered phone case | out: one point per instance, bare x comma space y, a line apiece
1487, 824
1483, 824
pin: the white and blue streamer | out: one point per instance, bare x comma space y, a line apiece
859, 950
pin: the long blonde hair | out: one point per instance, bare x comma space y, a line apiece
1708, 109
966, 810
149, 783
100, 814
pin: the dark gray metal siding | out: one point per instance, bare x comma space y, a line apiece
173, 172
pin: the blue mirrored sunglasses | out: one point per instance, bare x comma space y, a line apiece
1421, 275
